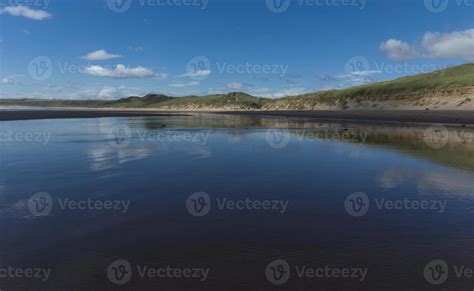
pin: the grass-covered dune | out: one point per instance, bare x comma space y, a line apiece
451, 88
451, 82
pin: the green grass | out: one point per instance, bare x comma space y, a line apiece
454, 77
235, 100
451, 78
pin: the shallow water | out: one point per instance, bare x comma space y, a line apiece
233, 194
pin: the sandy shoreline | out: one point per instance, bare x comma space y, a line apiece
400, 116
74, 113
458, 117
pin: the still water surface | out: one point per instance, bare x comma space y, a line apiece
124, 188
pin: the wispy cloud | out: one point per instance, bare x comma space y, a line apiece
100, 55
8, 80
238, 85
25, 11
196, 74
137, 49
122, 72
181, 85
350, 78
433, 45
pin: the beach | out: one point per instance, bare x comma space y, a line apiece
457, 117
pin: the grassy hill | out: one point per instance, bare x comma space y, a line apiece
459, 77
456, 82
233, 101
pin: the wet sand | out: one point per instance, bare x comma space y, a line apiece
57, 114
397, 116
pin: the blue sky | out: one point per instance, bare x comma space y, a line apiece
271, 48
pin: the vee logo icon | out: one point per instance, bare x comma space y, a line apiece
119, 272
199, 204
436, 272
357, 204
40, 204
277, 272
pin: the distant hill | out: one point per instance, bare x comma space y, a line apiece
452, 88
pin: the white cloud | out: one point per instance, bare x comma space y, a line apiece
25, 11
458, 45
122, 72
108, 92
8, 80
100, 55
181, 85
278, 93
434, 45
196, 74
397, 50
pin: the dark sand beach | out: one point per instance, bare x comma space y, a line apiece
460, 117
59, 114
399, 116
